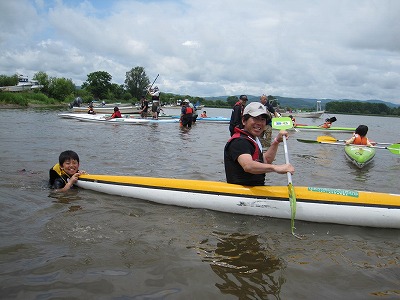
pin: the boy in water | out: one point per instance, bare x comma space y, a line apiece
66, 172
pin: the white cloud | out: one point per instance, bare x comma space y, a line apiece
326, 49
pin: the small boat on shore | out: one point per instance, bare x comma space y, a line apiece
311, 114
314, 204
359, 155
23, 85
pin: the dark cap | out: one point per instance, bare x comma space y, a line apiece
243, 97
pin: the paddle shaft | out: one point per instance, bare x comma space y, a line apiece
328, 139
152, 85
289, 175
393, 148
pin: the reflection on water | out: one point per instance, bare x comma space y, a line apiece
249, 271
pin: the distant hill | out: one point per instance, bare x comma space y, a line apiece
304, 103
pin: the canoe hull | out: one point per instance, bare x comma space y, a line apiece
313, 204
125, 120
108, 110
314, 114
360, 156
317, 128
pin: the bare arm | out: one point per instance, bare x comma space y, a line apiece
255, 167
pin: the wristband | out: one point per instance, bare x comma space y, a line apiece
275, 141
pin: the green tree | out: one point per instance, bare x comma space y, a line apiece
232, 100
8, 80
99, 84
61, 88
44, 80
136, 82
118, 91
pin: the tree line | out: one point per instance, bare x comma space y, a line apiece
99, 86
361, 108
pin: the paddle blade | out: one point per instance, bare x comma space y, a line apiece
292, 198
326, 139
395, 149
308, 141
282, 123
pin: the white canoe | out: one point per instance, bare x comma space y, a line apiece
222, 120
102, 119
107, 109
325, 205
312, 114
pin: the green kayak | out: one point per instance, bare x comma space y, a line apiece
359, 155
318, 128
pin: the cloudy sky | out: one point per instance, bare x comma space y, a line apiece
295, 48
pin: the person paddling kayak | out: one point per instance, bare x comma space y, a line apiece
360, 137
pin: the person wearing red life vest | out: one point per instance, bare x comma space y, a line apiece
359, 137
186, 114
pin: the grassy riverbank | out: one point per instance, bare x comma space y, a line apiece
27, 99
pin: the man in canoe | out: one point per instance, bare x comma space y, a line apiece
245, 163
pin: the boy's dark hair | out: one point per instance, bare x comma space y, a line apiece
362, 130
67, 155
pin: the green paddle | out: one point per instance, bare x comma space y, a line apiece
283, 124
393, 148
328, 139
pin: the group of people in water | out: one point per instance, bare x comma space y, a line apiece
246, 159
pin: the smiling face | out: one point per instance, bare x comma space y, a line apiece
70, 166
255, 125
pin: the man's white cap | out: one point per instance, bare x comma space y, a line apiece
255, 109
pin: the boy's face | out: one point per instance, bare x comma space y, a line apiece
70, 166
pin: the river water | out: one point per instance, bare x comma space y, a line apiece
88, 245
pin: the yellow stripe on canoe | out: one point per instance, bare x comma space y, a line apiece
311, 194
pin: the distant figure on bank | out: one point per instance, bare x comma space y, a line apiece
65, 173
237, 113
203, 114
116, 114
359, 137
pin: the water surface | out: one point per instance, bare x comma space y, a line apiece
88, 245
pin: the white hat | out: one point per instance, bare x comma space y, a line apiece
186, 101
255, 109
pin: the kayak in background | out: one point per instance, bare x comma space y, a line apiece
318, 128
